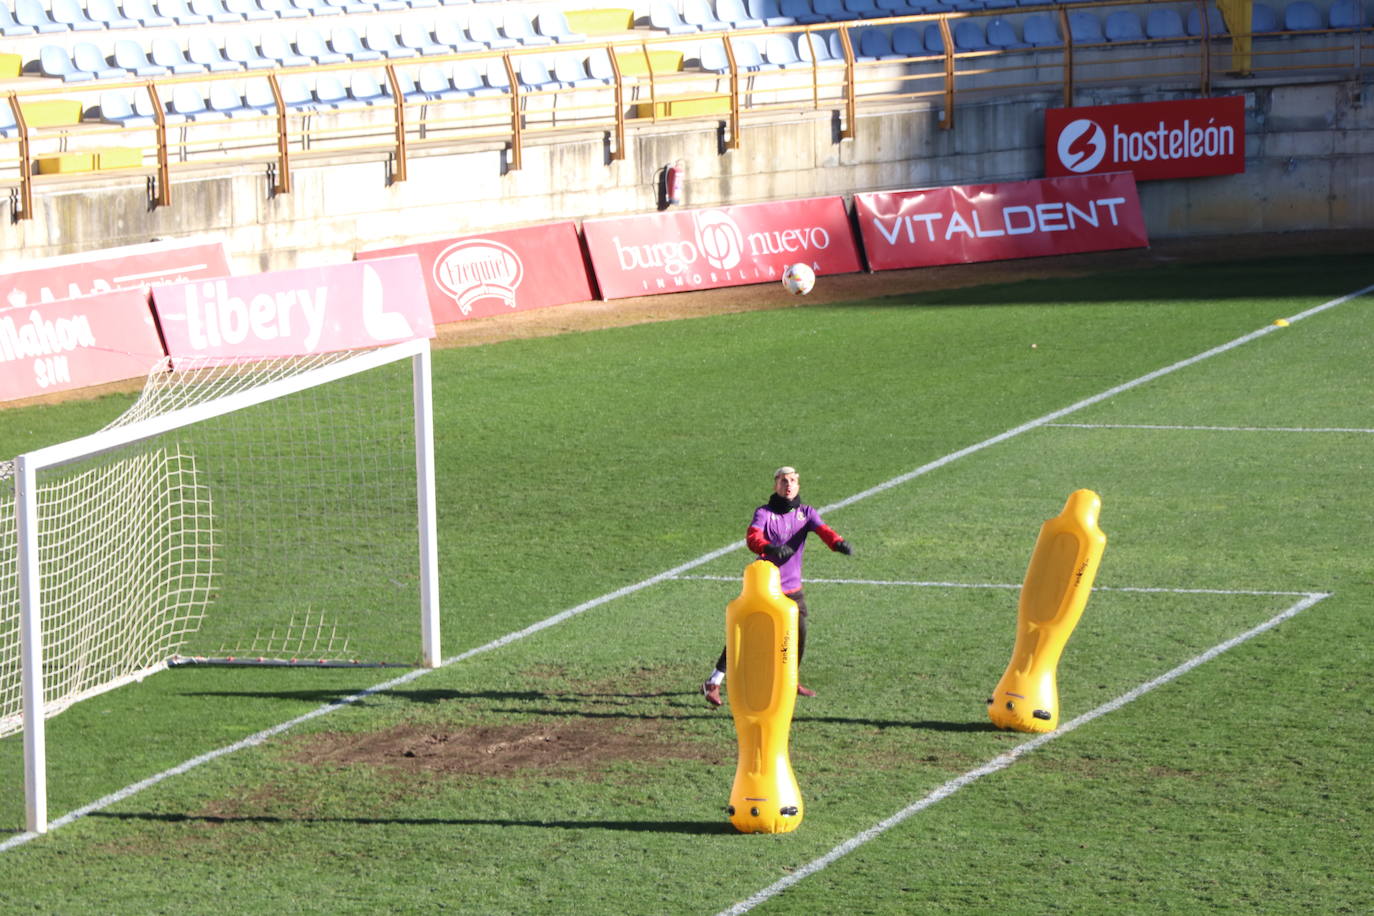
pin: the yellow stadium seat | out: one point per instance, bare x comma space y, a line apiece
51, 112
118, 157
10, 65
65, 163
636, 64
600, 22
684, 108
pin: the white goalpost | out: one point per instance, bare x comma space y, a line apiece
275, 512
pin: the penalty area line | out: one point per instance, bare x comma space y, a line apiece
1006, 586
1004, 760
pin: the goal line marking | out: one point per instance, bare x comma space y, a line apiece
262, 736
1007, 758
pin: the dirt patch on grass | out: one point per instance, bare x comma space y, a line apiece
579, 748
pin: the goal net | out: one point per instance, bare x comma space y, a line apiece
276, 511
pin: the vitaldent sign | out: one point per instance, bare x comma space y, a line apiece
1189, 138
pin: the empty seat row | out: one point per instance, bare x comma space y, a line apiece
332, 91
30, 17
166, 56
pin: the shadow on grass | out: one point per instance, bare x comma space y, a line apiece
576, 705
695, 828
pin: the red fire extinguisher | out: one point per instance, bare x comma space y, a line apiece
677, 174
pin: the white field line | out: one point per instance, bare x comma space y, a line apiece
1215, 429
1006, 759
262, 736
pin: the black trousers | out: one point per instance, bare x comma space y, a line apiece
800, 599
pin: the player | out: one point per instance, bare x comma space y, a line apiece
778, 534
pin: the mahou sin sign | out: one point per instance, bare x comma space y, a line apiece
1188, 138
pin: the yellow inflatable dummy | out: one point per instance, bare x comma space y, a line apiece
1058, 582
761, 669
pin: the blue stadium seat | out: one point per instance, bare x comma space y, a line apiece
1216, 25
663, 15
970, 35
277, 49
482, 28
86, 56
295, 94
700, 14
165, 12
330, 92
1346, 14
108, 15
864, 9
1002, 35
734, 13
1040, 31
468, 80
187, 104
800, 11
225, 97
70, 14
33, 14
214, 11
907, 42
814, 47
496, 76
517, 25
414, 35
432, 84
166, 52
1085, 28
56, 61
365, 89
533, 73
1302, 16
830, 10
770, 12
1263, 19
599, 66
310, 42
143, 14
1163, 24
241, 50
117, 106
1123, 25
200, 49
350, 7
8, 126
257, 97
382, 38
780, 51
284, 9
571, 71
317, 8
874, 44
129, 55
449, 32
712, 57
553, 24
344, 40
248, 10
12, 28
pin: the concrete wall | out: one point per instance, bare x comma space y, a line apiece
1309, 165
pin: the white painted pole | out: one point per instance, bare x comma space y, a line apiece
428, 517
31, 647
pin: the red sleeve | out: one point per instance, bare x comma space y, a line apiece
828, 535
755, 539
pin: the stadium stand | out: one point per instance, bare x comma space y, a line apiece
700, 14
1346, 14
770, 11
165, 51
1302, 16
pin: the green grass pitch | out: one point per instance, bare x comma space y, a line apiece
577, 769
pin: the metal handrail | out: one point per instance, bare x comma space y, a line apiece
389, 129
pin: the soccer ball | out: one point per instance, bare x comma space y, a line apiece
798, 279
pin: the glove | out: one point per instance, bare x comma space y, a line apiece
844, 547
778, 553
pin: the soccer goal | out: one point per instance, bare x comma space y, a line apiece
275, 512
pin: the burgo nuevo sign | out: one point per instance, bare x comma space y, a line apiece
686, 250
1188, 138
